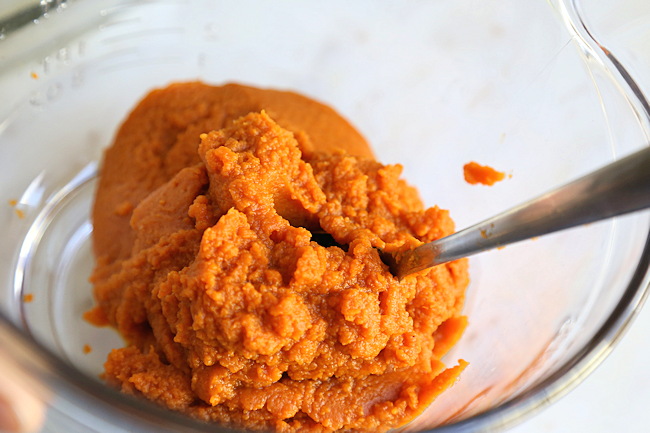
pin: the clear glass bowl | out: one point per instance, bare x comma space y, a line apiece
524, 86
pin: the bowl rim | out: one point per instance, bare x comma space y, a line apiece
75, 387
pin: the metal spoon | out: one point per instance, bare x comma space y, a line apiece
618, 188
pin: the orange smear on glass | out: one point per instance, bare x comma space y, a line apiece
476, 173
19, 212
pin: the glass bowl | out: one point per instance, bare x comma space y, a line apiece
524, 86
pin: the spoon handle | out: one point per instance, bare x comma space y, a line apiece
618, 188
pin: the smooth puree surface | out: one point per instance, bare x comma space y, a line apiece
237, 234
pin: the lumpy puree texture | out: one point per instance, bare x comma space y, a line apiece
236, 232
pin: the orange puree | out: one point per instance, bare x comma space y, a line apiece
475, 173
237, 234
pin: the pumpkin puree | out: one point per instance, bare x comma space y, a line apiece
236, 234
476, 173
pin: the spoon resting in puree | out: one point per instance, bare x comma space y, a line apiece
231, 310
